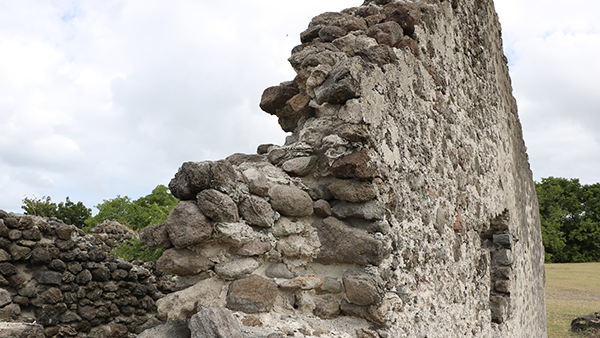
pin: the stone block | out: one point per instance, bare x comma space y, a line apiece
256, 211
330, 33
257, 182
170, 329
187, 225
156, 236
371, 210
236, 268
252, 295
19, 252
279, 270
341, 244
288, 226
322, 208
217, 206
353, 191
190, 179
356, 165
362, 289
48, 277
387, 33
215, 322
326, 308
21, 330
300, 166
291, 201
252, 248
7, 269
275, 97
183, 262
5, 297
339, 87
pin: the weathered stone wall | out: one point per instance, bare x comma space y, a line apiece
65, 281
401, 205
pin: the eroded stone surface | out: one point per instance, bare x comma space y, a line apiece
156, 236
215, 322
343, 244
362, 289
217, 206
187, 225
291, 201
256, 211
251, 295
355, 165
353, 191
183, 262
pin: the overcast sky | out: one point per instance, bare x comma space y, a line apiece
103, 98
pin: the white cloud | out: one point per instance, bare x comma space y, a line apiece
104, 98
552, 48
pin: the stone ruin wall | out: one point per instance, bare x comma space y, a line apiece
66, 283
401, 205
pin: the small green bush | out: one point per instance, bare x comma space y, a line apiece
135, 249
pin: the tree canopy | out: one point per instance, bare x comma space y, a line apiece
145, 211
570, 217
68, 212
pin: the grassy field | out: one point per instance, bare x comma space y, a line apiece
571, 290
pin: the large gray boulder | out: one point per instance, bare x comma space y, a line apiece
342, 244
214, 322
291, 201
187, 225
183, 262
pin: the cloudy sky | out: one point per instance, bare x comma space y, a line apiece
103, 98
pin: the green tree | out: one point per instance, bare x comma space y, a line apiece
43, 207
73, 213
115, 209
570, 217
68, 212
145, 211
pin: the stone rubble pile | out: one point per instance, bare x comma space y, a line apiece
58, 277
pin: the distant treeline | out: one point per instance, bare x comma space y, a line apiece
570, 215
569, 212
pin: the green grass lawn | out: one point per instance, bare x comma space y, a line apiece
571, 290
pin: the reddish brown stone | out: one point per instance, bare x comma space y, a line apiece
330, 33
275, 97
387, 33
353, 191
411, 44
299, 103
355, 165
403, 18
252, 294
458, 224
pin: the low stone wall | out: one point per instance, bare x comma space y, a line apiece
55, 275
